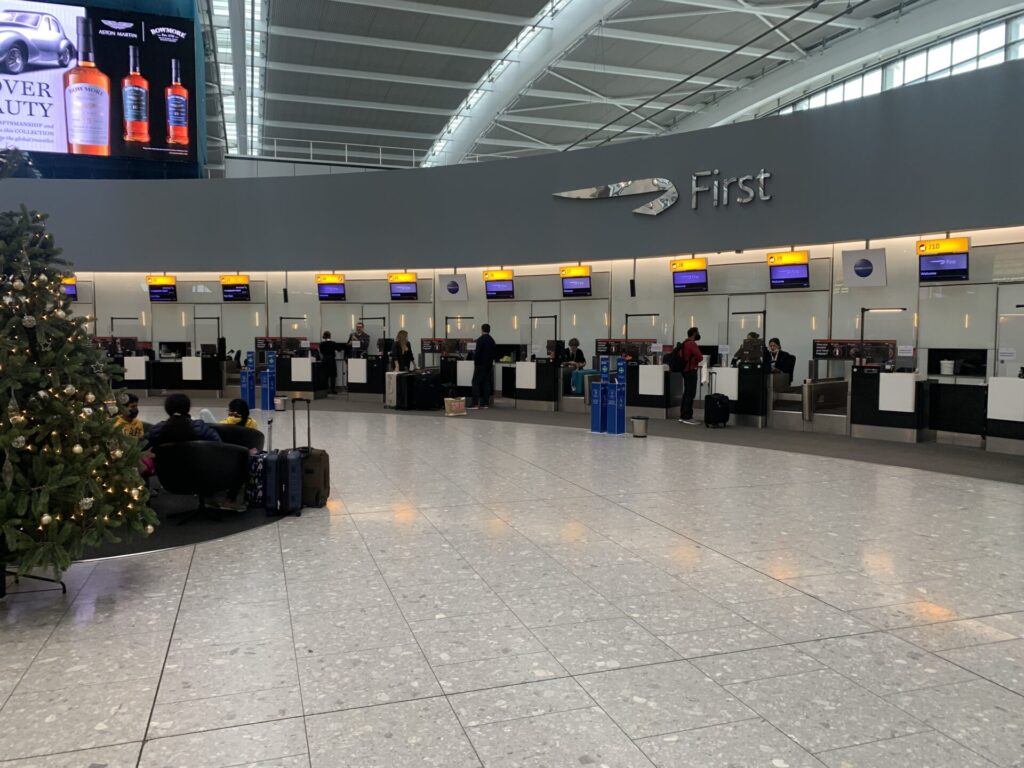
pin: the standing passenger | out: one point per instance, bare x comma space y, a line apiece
329, 356
483, 368
691, 362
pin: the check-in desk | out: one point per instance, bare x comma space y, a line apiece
188, 374
888, 406
956, 409
816, 405
365, 378
746, 386
1005, 423
458, 373
653, 391
137, 370
302, 377
536, 385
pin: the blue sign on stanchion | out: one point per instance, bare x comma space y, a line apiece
598, 415
616, 409
266, 396
620, 370
247, 378
250, 361
271, 377
605, 368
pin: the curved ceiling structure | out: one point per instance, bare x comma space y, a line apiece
403, 83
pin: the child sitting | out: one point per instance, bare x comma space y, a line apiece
238, 414
129, 421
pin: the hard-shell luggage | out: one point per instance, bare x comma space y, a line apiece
391, 389
428, 393
257, 471
716, 407
316, 464
282, 479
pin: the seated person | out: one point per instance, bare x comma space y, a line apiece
129, 421
180, 427
574, 357
779, 361
238, 414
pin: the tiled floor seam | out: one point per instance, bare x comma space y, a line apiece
167, 653
416, 640
295, 656
636, 739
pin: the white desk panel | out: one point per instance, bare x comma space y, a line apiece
652, 380
357, 370
526, 375
897, 392
464, 373
1006, 398
191, 369
302, 369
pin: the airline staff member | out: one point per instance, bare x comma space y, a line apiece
778, 360
361, 336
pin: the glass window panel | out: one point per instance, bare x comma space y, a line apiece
1017, 29
1017, 51
834, 95
992, 38
939, 75
893, 77
996, 57
965, 47
853, 88
873, 82
915, 67
800, 106
817, 100
967, 66
938, 58
786, 111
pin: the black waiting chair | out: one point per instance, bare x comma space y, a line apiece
234, 434
201, 468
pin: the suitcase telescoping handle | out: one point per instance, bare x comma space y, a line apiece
712, 377
270, 432
309, 421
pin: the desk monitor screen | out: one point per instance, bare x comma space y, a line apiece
70, 290
693, 281
163, 293
174, 350
235, 292
573, 287
330, 291
404, 291
500, 289
790, 276
948, 266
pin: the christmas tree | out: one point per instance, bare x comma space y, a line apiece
69, 478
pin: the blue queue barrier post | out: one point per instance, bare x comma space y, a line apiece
247, 380
598, 407
616, 408
266, 401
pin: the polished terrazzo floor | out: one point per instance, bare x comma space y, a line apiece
494, 594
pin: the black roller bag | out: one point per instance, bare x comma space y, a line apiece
315, 482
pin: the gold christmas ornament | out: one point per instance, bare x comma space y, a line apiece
70, 389
77, 449
46, 519
90, 397
117, 453
18, 285
150, 529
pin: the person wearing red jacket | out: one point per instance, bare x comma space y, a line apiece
692, 358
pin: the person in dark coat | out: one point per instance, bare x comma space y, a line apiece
484, 356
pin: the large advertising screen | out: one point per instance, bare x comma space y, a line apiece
92, 81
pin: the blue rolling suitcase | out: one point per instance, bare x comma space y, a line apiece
282, 481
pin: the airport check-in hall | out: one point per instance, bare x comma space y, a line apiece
521, 383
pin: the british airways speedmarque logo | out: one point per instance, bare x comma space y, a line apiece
742, 190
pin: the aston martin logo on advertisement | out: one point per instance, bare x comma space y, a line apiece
115, 28
708, 186
118, 25
168, 34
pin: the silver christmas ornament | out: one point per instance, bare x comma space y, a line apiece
112, 409
46, 519
19, 441
87, 411
70, 389
8, 299
18, 284
77, 449
150, 529
29, 321
43, 279
90, 397
86, 502
60, 314
42, 394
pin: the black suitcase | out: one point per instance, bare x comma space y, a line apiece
716, 410
316, 464
420, 392
282, 480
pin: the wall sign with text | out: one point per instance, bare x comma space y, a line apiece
92, 81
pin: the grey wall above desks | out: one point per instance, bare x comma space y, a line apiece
921, 159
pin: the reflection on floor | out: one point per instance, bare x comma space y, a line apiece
516, 595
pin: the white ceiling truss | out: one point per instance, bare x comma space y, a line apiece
456, 80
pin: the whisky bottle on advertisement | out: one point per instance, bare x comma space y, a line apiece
135, 95
87, 99
176, 96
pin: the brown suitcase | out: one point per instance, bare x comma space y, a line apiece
316, 464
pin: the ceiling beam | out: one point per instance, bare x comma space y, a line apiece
577, 124
772, 13
377, 42
648, 74
383, 106
492, 141
609, 33
290, 126
430, 9
848, 55
359, 74
583, 98
236, 21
